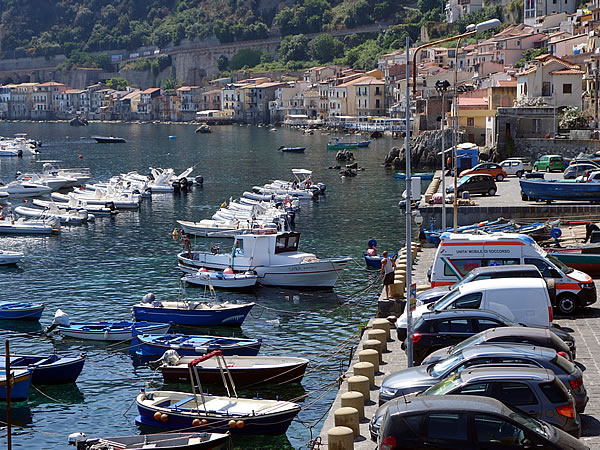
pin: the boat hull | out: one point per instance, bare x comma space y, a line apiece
48, 370
219, 279
285, 373
585, 262
20, 389
24, 311
7, 257
194, 317
147, 345
560, 190
110, 335
162, 441
177, 419
321, 274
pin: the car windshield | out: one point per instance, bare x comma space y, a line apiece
559, 264
439, 369
473, 340
465, 280
444, 386
463, 179
443, 302
528, 422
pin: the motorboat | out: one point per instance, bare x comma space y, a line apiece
52, 369
245, 370
10, 310
8, 257
218, 279
292, 149
192, 345
274, 257
102, 198
75, 176
156, 441
179, 410
53, 182
8, 225
227, 228
109, 139
72, 217
190, 312
74, 204
24, 189
302, 180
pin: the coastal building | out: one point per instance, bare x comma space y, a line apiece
189, 98
147, 108
532, 9
47, 100
458, 8
4, 101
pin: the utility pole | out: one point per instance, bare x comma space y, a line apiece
409, 343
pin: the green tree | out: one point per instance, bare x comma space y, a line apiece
118, 84
245, 58
364, 56
168, 84
572, 118
222, 63
324, 48
529, 55
294, 48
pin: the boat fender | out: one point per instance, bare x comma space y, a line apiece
196, 422
157, 415
239, 424
106, 333
175, 233
232, 423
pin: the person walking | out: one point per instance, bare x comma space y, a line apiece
387, 271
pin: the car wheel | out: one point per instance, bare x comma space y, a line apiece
535, 168
519, 174
499, 177
566, 304
491, 191
548, 169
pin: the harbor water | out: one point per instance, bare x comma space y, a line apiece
98, 271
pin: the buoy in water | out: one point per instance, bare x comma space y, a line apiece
80, 156
172, 137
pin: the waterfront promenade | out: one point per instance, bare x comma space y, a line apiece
583, 326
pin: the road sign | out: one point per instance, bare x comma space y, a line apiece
413, 297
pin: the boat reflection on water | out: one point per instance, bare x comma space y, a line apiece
20, 414
56, 394
27, 327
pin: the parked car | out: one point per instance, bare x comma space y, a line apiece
481, 273
467, 423
493, 169
536, 392
589, 177
419, 378
513, 167
523, 300
527, 165
475, 184
550, 163
542, 337
576, 170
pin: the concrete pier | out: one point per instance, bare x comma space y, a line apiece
584, 327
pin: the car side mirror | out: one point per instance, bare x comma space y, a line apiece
526, 443
555, 273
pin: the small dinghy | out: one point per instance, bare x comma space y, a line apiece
158, 441
244, 370
292, 149
219, 279
8, 225
20, 389
53, 369
194, 313
9, 257
65, 217
179, 410
109, 139
103, 331
189, 345
20, 310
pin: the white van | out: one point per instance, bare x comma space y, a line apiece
458, 254
522, 300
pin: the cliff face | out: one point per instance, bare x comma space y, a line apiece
424, 151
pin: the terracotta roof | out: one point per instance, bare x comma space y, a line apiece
567, 72
526, 71
51, 83
150, 91
473, 101
507, 83
74, 91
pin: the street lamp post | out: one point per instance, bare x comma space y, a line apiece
442, 87
595, 72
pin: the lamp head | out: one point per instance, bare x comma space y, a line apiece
488, 24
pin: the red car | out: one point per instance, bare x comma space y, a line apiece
492, 169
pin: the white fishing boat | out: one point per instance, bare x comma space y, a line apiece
8, 225
225, 228
218, 279
73, 217
9, 257
275, 259
16, 189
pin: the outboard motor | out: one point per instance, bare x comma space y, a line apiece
291, 219
76, 439
322, 187
183, 182
61, 318
176, 185
20, 153
199, 180
148, 298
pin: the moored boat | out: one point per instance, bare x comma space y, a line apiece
585, 257
9, 257
72, 217
109, 331
29, 226
189, 345
550, 190
193, 313
158, 441
244, 370
20, 310
218, 279
292, 149
20, 387
109, 139
53, 369
422, 175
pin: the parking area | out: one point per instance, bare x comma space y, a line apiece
585, 327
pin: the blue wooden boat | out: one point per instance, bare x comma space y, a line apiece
422, 175
549, 190
110, 331
19, 390
194, 313
186, 345
20, 310
53, 369
292, 149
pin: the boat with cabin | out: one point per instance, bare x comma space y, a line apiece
109, 139
274, 257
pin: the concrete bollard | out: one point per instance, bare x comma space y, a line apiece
382, 324
360, 383
340, 438
374, 344
347, 417
370, 355
354, 399
380, 335
366, 369
398, 289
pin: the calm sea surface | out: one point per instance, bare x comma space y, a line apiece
98, 271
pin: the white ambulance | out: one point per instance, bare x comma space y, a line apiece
458, 254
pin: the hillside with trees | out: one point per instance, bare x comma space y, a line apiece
79, 28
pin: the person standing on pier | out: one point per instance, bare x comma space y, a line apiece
387, 271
